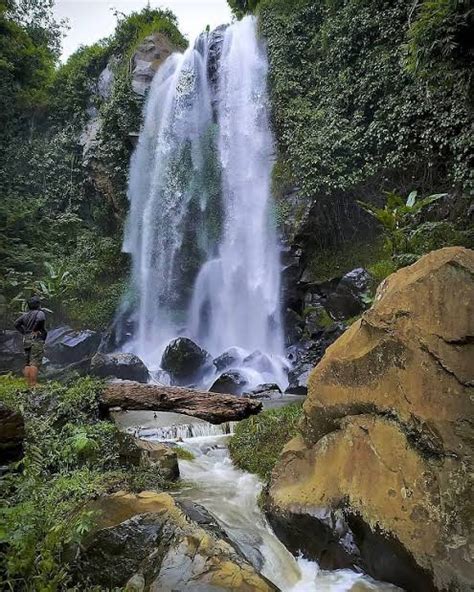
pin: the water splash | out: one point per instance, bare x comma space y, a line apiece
204, 249
236, 299
231, 496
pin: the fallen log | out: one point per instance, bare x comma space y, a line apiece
212, 407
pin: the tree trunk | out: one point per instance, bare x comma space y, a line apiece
212, 407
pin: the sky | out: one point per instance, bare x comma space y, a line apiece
91, 20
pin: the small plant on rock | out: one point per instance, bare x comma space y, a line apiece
398, 218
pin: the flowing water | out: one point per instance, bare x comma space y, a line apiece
231, 495
205, 262
204, 248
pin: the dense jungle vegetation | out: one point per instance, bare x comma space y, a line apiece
59, 235
71, 456
370, 98
394, 116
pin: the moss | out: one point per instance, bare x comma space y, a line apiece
324, 320
258, 440
183, 453
335, 262
382, 269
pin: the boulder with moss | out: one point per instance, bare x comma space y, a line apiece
380, 473
149, 543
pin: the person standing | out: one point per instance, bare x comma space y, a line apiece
31, 325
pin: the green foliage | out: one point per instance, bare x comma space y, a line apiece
368, 120
57, 209
73, 90
440, 47
71, 457
132, 28
382, 269
258, 440
398, 218
335, 262
242, 7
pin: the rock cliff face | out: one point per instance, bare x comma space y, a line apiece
146, 60
379, 476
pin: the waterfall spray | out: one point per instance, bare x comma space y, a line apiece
204, 248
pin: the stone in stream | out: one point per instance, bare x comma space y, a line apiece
264, 391
184, 360
227, 359
124, 366
229, 383
380, 476
135, 452
149, 538
258, 361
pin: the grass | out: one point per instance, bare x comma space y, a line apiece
183, 453
259, 440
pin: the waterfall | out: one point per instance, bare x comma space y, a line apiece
204, 247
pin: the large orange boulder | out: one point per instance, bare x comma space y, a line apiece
380, 476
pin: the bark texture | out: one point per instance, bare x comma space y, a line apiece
212, 407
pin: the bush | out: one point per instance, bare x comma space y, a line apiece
368, 118
259, 440
71, 457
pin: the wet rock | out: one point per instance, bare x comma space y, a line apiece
294, 326
159, 456
67, 346
316, 320
214, 51
12, 357
118, 333
380, 475
304, 356
147, 539
227, 359
264, 391
145, 453
58, 372
229, 383
12, 434
348, 299
258, 361
184, 360
122, 365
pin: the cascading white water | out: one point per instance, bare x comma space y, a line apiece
204, 248
166, 177
240, 288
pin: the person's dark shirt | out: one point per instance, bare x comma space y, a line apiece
32, 321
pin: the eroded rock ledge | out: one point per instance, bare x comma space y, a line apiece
148, 543
380, 475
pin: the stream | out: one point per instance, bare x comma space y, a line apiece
231, 495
